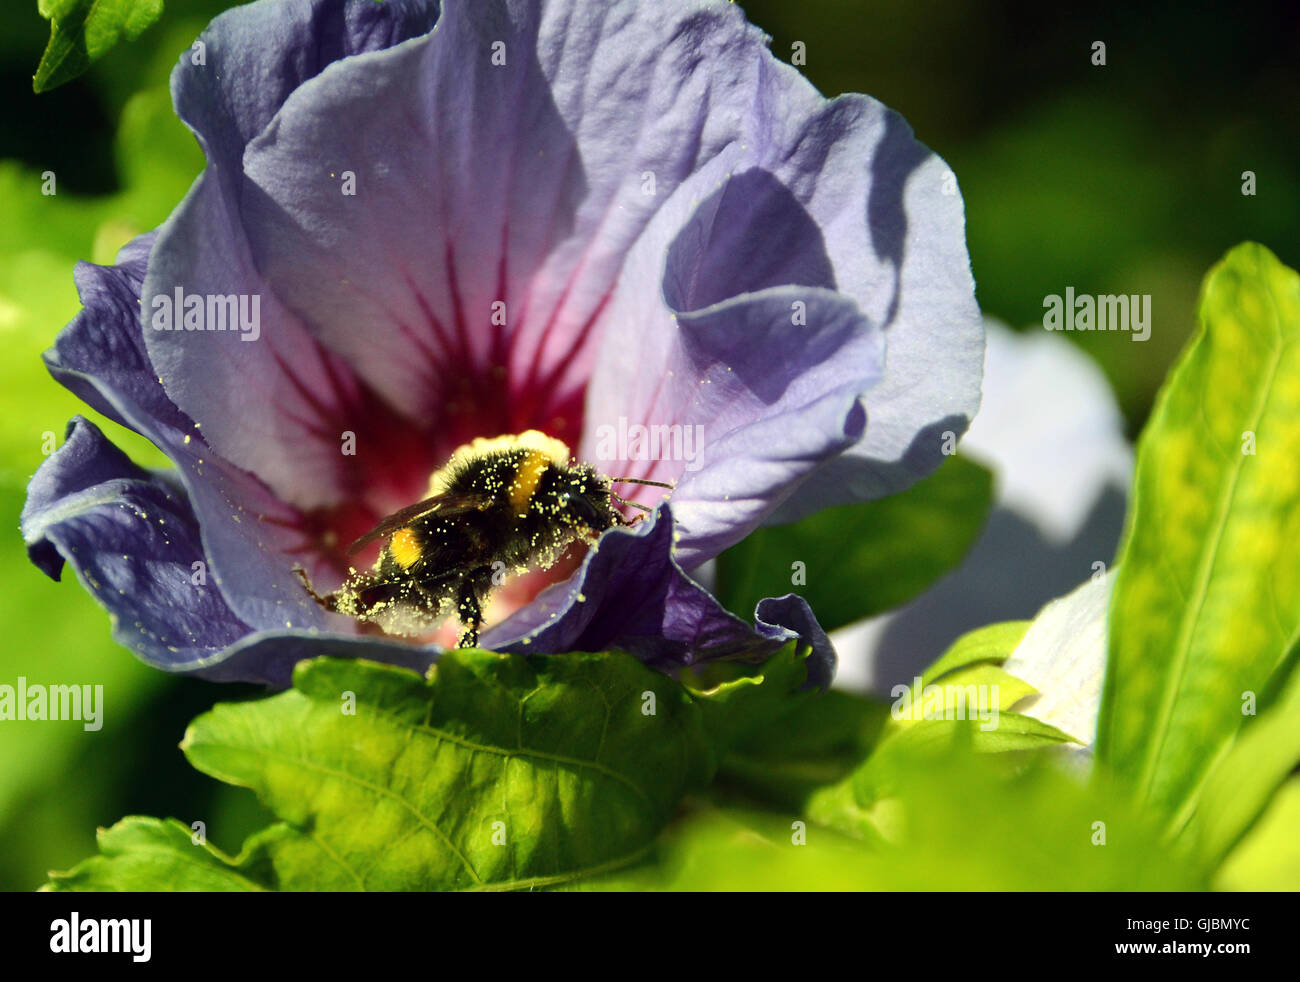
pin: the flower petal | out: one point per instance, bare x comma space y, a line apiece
889, 222
768, 404
783, 618
631, 594
750, 350
134, 542
605, 172
246, 532
256, 55
895, 231
269, 656
531, 180
278, 406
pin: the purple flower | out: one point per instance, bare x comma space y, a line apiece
624, 224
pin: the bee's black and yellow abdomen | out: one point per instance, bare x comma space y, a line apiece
518, 507
406, 546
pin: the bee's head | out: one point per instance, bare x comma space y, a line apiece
584, 498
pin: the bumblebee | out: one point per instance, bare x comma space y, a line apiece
504, 504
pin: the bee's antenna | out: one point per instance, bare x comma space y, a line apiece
637, 480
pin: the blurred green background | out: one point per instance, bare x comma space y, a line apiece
1117, 179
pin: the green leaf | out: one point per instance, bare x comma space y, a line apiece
1063, 656
943, 818
83, 30
952, 821
1268, 858
863, 802
1240, 786
151, 854
144, 853
948, 821
993, 643
784, 759
735, 849
998, 732
860, 560
967, 685
498, 772
964, 693
811, 744
778, 741
735, 708
1206, 601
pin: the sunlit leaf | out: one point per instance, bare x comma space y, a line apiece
81, 31
1206, 601
498, 772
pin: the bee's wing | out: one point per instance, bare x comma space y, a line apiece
445, 504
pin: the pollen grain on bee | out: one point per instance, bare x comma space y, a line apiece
512, 502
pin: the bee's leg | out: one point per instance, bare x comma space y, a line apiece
469, 604
470, 612
328, 601
642, 511
622, 521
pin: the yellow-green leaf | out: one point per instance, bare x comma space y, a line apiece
1206, 601
1240, 786
991, 643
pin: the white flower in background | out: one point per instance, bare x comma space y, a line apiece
1051, 432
